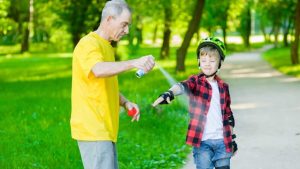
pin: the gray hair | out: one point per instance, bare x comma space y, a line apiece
114, 8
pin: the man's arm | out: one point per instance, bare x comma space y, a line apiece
123, 100
106, 69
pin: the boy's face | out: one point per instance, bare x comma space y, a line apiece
209, 62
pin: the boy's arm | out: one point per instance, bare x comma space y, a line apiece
231, 122
168, 96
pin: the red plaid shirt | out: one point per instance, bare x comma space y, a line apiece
200, 93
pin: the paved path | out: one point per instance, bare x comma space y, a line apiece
266, 105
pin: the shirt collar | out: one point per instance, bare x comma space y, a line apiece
201, 76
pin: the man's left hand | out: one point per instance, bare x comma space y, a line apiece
130, 106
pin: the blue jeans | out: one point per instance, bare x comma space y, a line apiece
212, 153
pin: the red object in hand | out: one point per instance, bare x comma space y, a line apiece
131, 112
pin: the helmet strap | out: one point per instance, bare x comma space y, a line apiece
208, 76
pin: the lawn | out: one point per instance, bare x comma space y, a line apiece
35, 108
35, 113
280, 59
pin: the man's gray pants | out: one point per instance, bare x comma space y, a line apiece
98, 154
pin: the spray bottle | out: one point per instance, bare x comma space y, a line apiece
140, 73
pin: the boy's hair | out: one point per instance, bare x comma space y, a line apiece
212, 51
114, 8
214, 43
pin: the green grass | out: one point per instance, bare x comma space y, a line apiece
35, 113
9, 49
280, 59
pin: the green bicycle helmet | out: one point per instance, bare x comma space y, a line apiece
215, 42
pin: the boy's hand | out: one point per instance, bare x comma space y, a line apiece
234, 145
164, 98
130, 106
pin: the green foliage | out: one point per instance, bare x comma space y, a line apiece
7, 25
273, 15
80, 16
245, 23
215, 15
279, 58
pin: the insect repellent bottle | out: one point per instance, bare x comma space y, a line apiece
140, 73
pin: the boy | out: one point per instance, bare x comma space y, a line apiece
211, 120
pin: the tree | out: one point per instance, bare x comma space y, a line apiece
245, 24
295, 45
81, 16
192, 28
165, 49
264, 21
288, 13
279, 15
20, 13
8, 27
215, 16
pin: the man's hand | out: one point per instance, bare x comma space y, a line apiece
129, 106
164, 98
145, 63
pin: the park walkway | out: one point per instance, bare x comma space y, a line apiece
266, 105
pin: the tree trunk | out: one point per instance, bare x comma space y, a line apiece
25, 41
198, 35
286, 32
31, 19
248, 28
165, 49
155, 34
26, 27
224, 25
79, 16
139, 32
295, 45
276, 32
193, 25
114, 44
139, 37
75, 38
224, 35
263, 30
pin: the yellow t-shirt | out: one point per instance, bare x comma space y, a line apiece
95, 101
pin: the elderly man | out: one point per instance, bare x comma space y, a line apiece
95, 94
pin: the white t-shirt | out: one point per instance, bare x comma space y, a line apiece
214, 122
